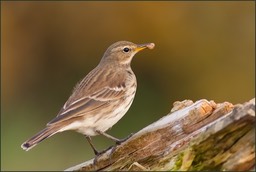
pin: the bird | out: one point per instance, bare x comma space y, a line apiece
100, 99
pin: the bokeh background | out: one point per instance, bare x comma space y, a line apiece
203, 50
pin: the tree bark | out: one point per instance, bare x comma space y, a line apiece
193, 136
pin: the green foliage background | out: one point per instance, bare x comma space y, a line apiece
203, 50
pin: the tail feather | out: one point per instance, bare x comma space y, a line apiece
45, 133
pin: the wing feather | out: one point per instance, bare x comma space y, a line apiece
90, 103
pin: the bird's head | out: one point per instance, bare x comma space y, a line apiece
122, 52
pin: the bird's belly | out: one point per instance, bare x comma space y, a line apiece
111, 119
102, 121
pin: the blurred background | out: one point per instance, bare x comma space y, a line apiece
203, 50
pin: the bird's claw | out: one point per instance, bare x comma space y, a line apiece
99, 154
124, 139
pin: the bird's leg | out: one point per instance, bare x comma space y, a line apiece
118, 141
108, 136
124, 139
97, 153
90, 142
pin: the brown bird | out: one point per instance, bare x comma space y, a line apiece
100, 100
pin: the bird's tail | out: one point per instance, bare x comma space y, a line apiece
45, 133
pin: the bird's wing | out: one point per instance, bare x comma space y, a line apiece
89, 104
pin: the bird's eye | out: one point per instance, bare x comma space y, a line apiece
126, 49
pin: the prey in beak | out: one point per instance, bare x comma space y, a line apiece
143, 46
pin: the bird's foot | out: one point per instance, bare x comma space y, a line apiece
113, 148
124, 139
118, 143
98, 154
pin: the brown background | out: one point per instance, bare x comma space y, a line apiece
203, 50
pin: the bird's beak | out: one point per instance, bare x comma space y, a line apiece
143, 46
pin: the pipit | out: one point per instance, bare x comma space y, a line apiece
100, 100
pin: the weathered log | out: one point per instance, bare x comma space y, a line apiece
193, 136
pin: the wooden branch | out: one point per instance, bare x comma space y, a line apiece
193, 136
